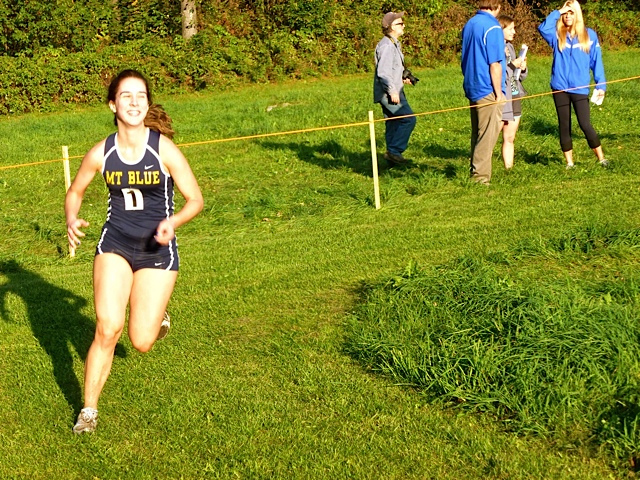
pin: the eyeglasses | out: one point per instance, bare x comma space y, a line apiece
398, 24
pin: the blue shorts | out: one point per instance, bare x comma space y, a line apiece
139, 253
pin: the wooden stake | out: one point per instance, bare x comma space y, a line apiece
374, 160
65, 163
67, 184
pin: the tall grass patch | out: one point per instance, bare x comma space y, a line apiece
544, 337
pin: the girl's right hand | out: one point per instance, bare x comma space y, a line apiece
566, 7
74, 233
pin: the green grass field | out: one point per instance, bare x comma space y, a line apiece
255, 379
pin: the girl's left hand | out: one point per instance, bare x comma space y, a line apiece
165, 232
519, 63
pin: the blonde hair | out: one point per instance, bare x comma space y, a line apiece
577, 29
159, 120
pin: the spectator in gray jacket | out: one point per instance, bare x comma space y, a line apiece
388, 88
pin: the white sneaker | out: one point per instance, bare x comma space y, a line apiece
87, 421
164, 326
604, 162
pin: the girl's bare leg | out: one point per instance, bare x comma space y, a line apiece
112, 280
150, 294
568, 156
509, 130
599, 153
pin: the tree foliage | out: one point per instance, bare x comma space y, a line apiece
241, 40
27, 26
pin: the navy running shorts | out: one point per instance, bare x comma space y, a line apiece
139, 253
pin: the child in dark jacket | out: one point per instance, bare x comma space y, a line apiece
516, 72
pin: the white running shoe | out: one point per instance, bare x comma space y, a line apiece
164, 326
87, 421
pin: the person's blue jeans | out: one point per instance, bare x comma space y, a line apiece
397, 132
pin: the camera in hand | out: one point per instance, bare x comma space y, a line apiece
408, 75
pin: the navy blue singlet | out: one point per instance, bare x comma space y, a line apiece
140, 192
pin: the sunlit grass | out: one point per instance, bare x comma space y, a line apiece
253, 381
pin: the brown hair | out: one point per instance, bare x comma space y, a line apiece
115, 84
489, 4
505, 21
159, 120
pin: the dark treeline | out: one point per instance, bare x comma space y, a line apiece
64, 51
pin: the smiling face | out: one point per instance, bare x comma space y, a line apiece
131, 101
509, 32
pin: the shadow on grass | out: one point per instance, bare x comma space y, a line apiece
329, 154
57, 321
624, 138
538, 158
417, 170
332, 155
538, 126
438, 150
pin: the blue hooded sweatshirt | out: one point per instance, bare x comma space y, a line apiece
572, 67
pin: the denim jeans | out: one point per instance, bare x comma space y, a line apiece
397, 132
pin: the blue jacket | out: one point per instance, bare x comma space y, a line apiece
572, 67
389, 67
482, 45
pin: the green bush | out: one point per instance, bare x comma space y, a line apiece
52, 76
64, 52
26, 27
616, 27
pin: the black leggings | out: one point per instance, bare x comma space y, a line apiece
563, 101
